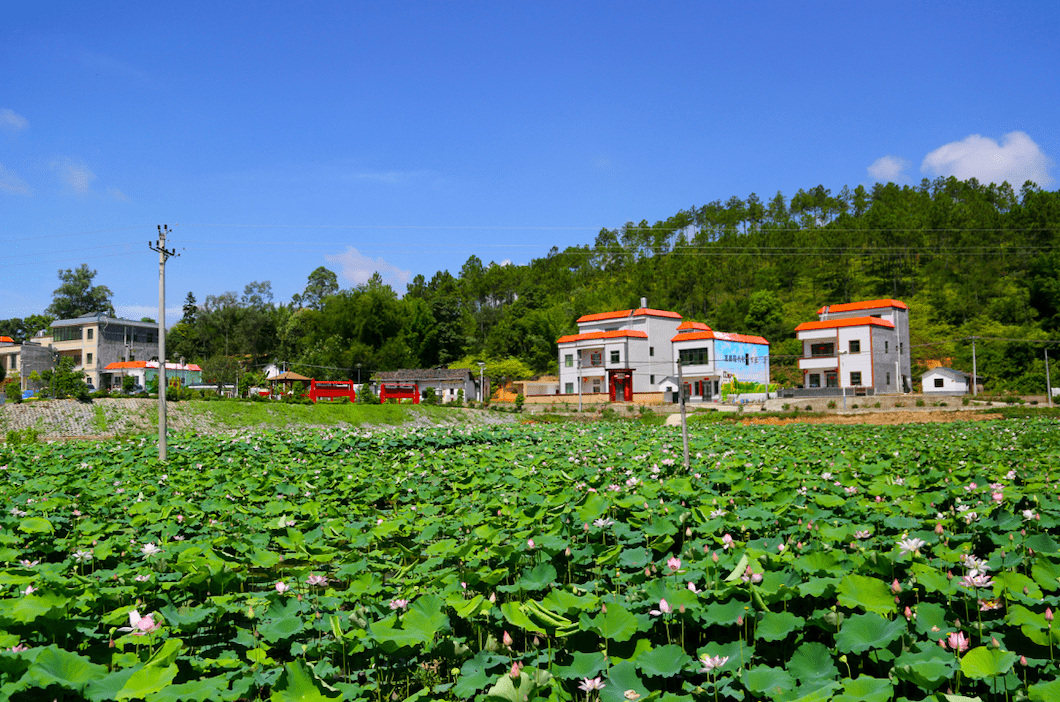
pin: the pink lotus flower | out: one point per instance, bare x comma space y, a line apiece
896, 586
1048, 614
29, 590
507, 639
140, 626
399, 604
710, 663
957, 641
317, 580
664, 608
674, 564
530, 543
726, 542
590, 684
282, 587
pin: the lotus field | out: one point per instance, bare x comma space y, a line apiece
802, 562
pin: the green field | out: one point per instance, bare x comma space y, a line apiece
563, 562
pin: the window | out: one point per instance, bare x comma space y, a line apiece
747, 359
939, 382
815, 380
615, 357
855, 346
888, 379
886, 346
568, 360
855, 378
692, 357
66, 333
568, 388
651, 350
89, 337
596, 358
596, 385
831, 379
651, 380
822, 349
88, 356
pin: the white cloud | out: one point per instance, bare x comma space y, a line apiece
888, 169
75, 174
389, 177
12, 183
1016, 159
357, 269
173, 314
11, 121
118, 195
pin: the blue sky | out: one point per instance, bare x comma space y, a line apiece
404, 137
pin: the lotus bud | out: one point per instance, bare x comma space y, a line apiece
1026, 591
739, 620
681, 609
939, 529
896, 587
507, 639
566, 552
603, 609
1023, 660
908, 614
537, 641
714, 556
688, 531
1048, 614
995, 642
493, 598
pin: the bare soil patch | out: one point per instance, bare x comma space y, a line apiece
880, 418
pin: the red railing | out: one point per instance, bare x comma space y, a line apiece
331, 390
407, 391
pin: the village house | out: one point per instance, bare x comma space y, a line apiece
629, 352
618, 353
720, 365
859, 345
447, 382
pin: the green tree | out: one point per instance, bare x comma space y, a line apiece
190, 309
76, 296
220, 370
322, 283
63, 381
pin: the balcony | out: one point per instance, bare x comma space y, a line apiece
819, 363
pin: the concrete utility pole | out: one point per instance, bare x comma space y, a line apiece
684, 417
975, 380
578, 363
1048, 383
163, 254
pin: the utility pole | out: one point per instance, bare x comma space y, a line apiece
1048, 383
579, 369
975, 380
684, 417
163, 254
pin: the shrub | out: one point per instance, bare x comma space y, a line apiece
943, 404
459, 398
919, 403
965, 401
786, 406
899, 404
831, 404
809, 408
854, 406
430, 397
519, 400
877, 405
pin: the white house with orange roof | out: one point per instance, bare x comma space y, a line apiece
720, 365
146, 371
857, 345
618, 353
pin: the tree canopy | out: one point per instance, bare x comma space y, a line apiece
76, 296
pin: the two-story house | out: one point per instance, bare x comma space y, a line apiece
714, 364
857, 345
618, 353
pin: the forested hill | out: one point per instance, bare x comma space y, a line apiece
969, 260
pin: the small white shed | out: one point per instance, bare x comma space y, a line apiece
946, 381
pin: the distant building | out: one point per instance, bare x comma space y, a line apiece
943, 380
93, 342
447, 382
618, 353
719, 365
146, 371
857, 345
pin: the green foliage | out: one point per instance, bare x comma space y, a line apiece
474, 542
76, 296
63, 381
430, 397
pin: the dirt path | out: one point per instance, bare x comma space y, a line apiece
880, 418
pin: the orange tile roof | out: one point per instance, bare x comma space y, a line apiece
7, 339
851, 322
621, 314
697, 326
616, 334
866, 305
127, 365
721, 336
